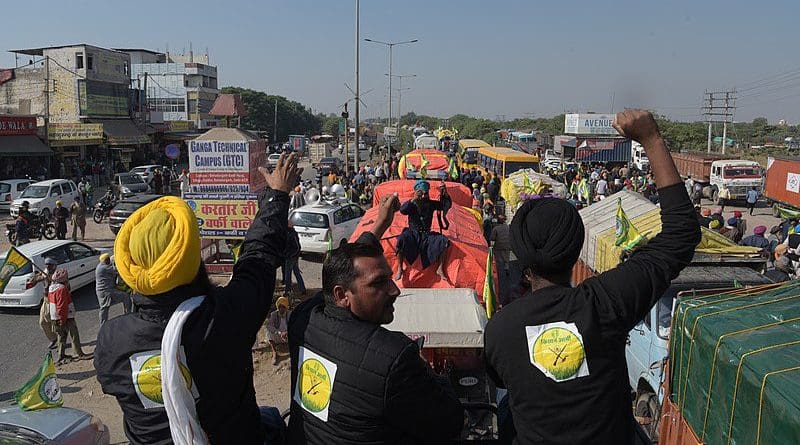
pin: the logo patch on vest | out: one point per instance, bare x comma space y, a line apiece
146, 376
315, 377
557, 350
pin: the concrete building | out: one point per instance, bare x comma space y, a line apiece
81, 94
177, 86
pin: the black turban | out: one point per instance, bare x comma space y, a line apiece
547, 235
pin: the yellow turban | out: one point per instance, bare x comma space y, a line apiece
282, 301
103, 257
158, 247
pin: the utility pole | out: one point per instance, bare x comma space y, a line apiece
145, 96
47, 98
345, 115
358, 136
719, 113
275, 123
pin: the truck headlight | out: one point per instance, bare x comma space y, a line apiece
125, 190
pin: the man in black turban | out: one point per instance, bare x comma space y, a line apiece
559, 350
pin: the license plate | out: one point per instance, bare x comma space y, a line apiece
8, 301
306, 235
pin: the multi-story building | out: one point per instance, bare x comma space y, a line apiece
179, 88
82, 94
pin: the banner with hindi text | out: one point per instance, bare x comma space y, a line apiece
223, 215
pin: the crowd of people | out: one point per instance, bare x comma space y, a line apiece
352, 380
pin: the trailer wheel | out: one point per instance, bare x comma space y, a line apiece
647, 412
776, 212
715, 196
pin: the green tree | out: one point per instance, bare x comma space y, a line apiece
293, 117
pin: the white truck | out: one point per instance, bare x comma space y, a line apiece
426, 140
639, 157
740, 175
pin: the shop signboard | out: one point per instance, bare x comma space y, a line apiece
226, 166
221, 215
74, 134
179, 126
103, 98
590, 123
17, 125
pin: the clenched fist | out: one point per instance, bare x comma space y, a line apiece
638, 125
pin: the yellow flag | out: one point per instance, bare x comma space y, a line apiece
489, 297
42, 391
423, 166
627, 235
14, 261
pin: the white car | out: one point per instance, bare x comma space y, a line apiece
11, 189
77, 258
272, 160
42, 196
146, 172
321, 225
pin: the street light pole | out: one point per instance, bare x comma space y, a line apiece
358, 136
399, 96
391, 46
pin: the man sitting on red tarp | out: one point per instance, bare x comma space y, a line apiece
417, 239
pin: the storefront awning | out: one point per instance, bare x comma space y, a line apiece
122, 132
24, 145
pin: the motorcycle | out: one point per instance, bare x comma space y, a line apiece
103, 208
38, 227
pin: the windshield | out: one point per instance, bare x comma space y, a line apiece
512, 167
130, 179
5, 188
664, 315
35, 191
311, 220
742, 172
139, 170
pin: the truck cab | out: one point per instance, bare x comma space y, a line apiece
648, 342
638, 157
740, 175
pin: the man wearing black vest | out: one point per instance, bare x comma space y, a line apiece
353, 381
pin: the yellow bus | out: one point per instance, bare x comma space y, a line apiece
468, 152
505, 161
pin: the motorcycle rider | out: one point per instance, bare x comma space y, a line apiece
22, 224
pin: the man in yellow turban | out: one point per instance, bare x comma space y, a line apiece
210, 329
277, 327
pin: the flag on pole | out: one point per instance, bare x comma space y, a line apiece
627, 236
488, 287
452, 170
14, 261
42, 391
423, 166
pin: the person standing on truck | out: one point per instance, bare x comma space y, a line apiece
752, 199
353, 381
559, 350
207, 331
724, 195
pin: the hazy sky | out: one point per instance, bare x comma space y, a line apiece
478, 57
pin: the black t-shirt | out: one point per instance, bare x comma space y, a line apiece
560, 351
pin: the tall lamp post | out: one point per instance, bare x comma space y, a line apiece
400, 90
390, 45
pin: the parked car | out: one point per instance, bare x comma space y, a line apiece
325, 165
77, 258
125, 208
146, 171
11, 189
323, 225
128, 184
42, 196
272, 160
52, 426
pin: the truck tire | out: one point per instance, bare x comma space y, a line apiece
648, 410
715, 196
776, 210
708, 191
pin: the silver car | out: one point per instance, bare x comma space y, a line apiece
52, 426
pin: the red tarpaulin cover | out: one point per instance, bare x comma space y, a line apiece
459, 193
466, 255
437, 160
